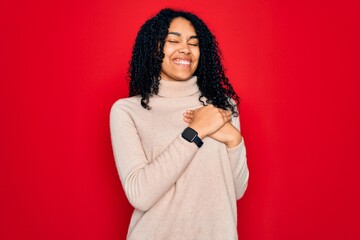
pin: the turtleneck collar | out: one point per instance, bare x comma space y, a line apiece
178, 88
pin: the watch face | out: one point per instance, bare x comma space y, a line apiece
189, 134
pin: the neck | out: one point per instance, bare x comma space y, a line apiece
185, 88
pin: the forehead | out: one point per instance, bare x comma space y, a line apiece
181, 25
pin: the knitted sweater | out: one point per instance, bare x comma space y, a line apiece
179, 191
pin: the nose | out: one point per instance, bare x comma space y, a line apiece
184, 49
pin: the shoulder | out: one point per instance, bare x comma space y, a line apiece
235, 119
129, 104
124, 108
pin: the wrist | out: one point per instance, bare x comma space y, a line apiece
191, 135
199, 131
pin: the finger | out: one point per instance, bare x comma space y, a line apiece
226, 115
226, 112
187, 120
223, 112
188, 115
189, 112
229, 118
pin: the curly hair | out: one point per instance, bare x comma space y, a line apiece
147, 56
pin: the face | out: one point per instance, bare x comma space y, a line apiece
181, 50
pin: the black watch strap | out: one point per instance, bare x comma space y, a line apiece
191, 135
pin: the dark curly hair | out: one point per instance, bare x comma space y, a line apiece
147, 55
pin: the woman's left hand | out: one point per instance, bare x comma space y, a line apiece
227, 134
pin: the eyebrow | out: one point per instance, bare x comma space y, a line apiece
179, 34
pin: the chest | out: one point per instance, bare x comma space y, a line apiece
158, 127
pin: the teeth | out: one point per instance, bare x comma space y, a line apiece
183, 62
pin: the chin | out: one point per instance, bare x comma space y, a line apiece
179, 76
183, 77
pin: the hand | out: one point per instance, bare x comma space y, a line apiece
208, 119
227, 134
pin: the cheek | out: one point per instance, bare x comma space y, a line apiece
168, 51
196, 54
197, 57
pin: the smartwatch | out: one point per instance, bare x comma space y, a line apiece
191, 135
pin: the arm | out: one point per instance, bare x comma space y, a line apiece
144, 181
237, 157
230, 135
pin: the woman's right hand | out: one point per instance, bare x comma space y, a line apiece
208, 119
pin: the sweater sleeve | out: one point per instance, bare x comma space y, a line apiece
144, 180
238, 162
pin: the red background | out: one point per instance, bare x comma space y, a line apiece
295, 65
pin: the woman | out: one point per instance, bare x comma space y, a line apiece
176, 139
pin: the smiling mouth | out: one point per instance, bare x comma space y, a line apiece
182, 62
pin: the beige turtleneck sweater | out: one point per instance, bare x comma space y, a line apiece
179, 191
